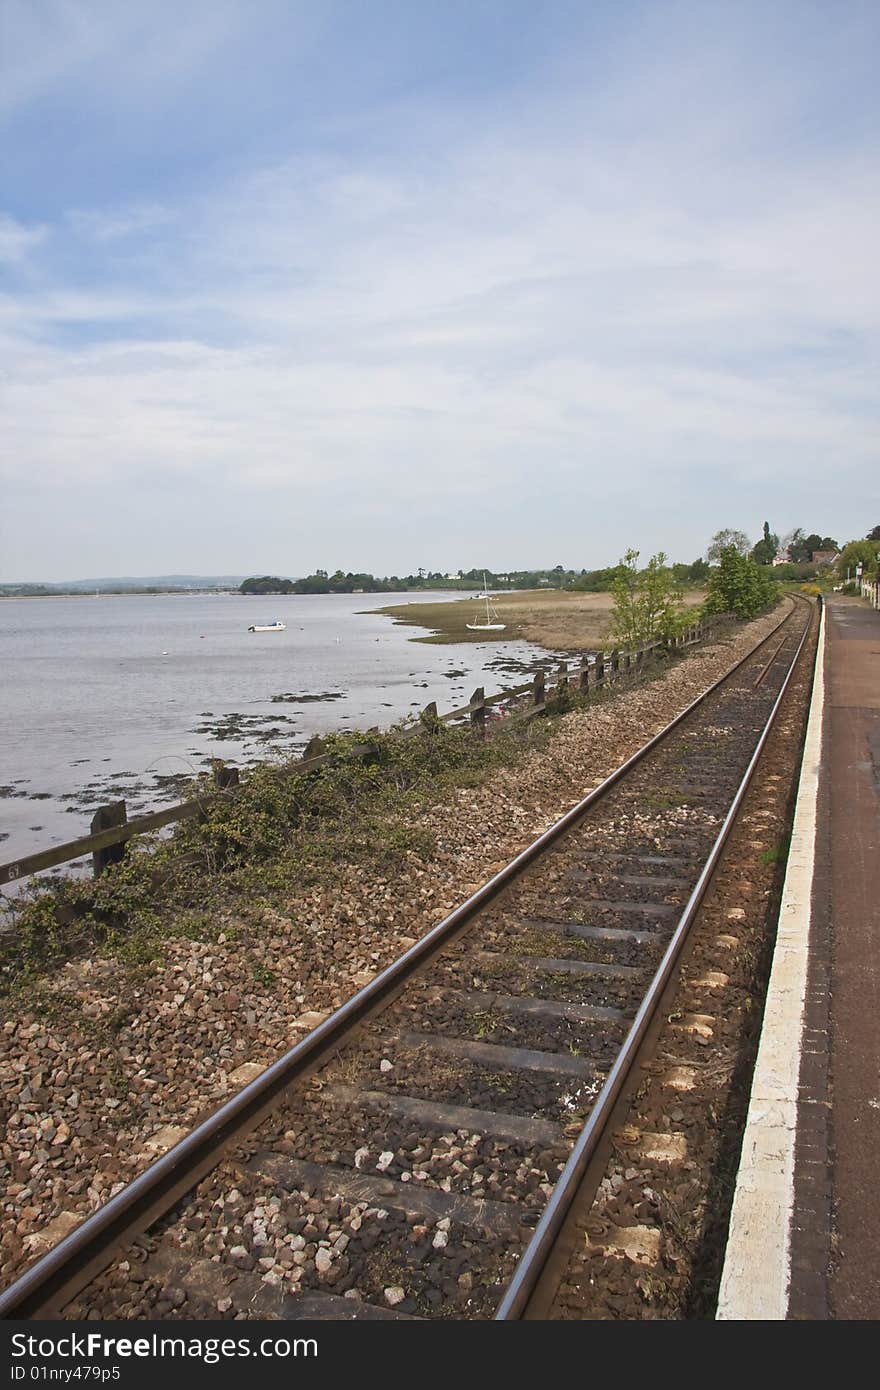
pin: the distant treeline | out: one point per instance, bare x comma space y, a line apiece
323, 583
599, 581
590, 581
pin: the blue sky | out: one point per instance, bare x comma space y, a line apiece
375, 285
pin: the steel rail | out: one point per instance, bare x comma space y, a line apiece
58, 1275
536, 1253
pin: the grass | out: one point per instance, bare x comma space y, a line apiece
281, 833
777, 854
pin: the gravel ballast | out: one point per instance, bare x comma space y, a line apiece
117, 1061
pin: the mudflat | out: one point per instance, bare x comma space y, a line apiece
560, 620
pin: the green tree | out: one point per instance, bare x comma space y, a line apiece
801, 547
738, 585
266, 584
647, 603
764, 552
722, 539
855, 553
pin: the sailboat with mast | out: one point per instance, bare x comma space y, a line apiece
490, 623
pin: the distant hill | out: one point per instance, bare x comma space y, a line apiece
164, 581
120, 584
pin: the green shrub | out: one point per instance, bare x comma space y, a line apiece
740, 586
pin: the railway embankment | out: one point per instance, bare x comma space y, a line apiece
110, 1055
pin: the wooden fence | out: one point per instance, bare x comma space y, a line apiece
870, 589
111, 829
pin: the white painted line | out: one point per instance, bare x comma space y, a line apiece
756, 1275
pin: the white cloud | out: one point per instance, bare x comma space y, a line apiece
17, 240
575, 306
112, 224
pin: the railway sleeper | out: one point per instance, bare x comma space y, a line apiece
590, 933
541, 1008
522, 1129
495, 1057
492, 1217
212, 1288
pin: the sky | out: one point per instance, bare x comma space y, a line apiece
288, 284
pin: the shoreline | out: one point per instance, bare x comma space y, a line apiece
559, 620
247, 701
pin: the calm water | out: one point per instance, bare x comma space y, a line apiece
121, 697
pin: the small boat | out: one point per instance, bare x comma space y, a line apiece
490, 623
268, 627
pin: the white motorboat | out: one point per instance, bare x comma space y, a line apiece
268, 627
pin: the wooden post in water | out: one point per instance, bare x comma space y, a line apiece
538, 693
478, 709
105, 818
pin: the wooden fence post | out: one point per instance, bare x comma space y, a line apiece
538, 694
478, 709
429, 718
225, 777
599, 672
105, 818
584, 680
561, 691
615, 664
314, 748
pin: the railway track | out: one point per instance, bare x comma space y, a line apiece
416, 1154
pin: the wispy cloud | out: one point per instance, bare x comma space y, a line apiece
17, 240
629, 310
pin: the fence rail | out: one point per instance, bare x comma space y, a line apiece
111, 829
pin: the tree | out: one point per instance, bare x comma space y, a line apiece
764, 553
722, 539
855, 553
266, 584
738, 585
801, 547
647, 603
874, 535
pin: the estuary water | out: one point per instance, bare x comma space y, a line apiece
129, 697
